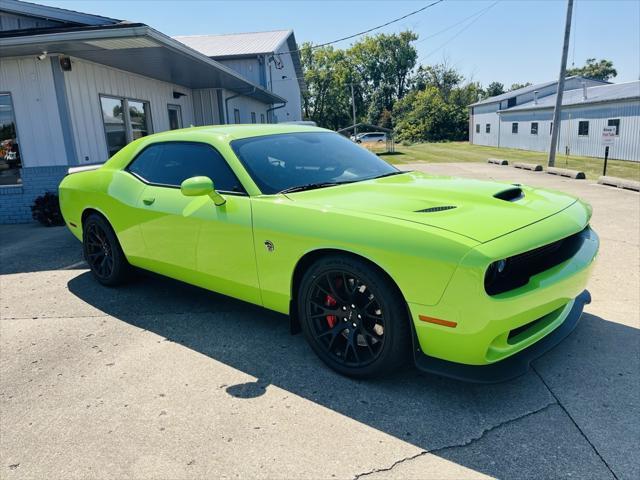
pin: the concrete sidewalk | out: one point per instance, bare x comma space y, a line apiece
163, 380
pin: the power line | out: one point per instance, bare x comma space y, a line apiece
364, 32
453, 25
479, 15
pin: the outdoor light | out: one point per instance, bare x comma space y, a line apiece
42, 56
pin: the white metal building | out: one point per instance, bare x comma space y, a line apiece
522, 118
76, 87
269, 59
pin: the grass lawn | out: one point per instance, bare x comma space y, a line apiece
464, 152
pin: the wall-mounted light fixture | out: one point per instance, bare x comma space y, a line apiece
42, 56
177, 95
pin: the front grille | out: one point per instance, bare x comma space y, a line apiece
520, 268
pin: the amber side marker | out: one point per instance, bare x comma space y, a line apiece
438, 321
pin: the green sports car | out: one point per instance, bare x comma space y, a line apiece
376, 266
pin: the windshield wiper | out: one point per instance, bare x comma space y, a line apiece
312, 186
397, 172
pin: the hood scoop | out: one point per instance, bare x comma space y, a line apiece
510, 194
436, 209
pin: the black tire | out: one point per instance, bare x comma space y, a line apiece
103, 253
370, 340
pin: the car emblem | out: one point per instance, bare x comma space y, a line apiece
269, 246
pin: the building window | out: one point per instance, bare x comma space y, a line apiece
175, 117
583, 128
477, 128
487, 128
253, 117
511, 102
262, 118
614, 122
236, 115
124, 121
534, 128
10, 161
514, 127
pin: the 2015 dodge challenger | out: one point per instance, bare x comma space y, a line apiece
469, 279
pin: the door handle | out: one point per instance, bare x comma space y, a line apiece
148, 200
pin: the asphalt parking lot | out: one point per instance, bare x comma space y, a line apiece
164, 380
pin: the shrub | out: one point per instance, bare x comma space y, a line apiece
46, 210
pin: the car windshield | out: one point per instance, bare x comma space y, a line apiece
286, 161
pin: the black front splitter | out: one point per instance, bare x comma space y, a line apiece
511, 367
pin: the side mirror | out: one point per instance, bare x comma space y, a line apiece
199, 186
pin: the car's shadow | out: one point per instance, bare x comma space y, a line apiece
427, 411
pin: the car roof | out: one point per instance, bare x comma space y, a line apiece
237, 131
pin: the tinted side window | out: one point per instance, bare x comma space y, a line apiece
172, 163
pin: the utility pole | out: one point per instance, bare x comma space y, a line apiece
563, 71
353, 107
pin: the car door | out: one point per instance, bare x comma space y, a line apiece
190, 238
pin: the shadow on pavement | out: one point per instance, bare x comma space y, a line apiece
427, 411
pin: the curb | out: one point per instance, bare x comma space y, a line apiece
528, 166
565, 172
497, 161
620, 183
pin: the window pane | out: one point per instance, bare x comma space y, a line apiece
262, 118
614, 122
514, 127
253, 117
583, 128
534, 128
139, 118
487, 128
172, 163
10, 162
175, 117
236, 115
114, 127
477, 128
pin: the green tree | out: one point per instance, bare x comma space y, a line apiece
441, 76
516, 86
493, 89
598, 70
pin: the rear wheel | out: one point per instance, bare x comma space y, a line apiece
102, 251
354, 317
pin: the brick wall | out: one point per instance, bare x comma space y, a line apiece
15, 201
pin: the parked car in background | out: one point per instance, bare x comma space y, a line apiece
371, 137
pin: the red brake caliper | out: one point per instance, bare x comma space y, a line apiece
329, 301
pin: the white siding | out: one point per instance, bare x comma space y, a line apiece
245, 105
626, 146
288, 88
87, 81
205, 107
249, 68
30, 83
483, 114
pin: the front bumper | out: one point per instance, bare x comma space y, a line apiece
513, 366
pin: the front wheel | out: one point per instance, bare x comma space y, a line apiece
354, 317
102, 252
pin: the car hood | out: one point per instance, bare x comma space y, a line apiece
480, 210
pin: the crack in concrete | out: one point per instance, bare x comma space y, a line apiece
458, 445
574, 423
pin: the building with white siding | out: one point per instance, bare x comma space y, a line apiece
76, 87
522, 118
269, 59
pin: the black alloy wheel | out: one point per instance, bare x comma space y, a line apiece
353, 317
102, 251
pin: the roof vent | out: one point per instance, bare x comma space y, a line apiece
535, 97
436, 209
584, 90
510, 194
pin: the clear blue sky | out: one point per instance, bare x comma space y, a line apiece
515, 41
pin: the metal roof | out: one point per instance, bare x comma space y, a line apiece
600, 93
54, 13
521, 91
236, 44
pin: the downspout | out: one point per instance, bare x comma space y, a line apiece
226, 101
274, 108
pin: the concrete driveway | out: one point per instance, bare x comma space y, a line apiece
164, 380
